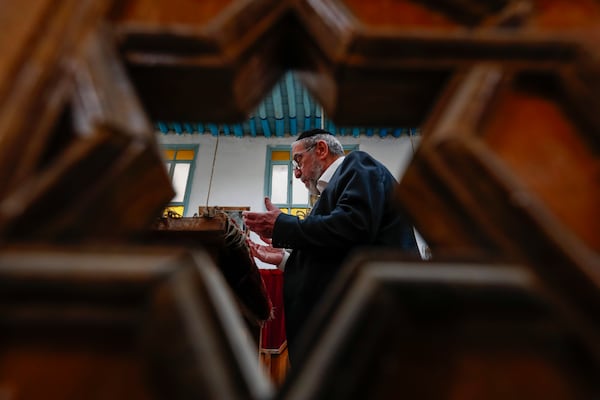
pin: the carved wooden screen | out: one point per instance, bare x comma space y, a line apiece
505, 93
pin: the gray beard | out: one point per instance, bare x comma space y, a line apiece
312, 188
317, 171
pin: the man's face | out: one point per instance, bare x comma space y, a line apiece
308, 168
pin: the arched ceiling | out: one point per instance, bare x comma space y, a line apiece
287, 109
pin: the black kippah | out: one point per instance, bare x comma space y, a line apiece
313, 132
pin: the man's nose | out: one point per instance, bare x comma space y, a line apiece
297, 173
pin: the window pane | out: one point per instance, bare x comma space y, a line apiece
177, 210
299, 192
180, 177
283, 155
169, 154
185, 155
279, 183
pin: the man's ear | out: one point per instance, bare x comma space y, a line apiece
322, 149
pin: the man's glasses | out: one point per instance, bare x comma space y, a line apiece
297, 161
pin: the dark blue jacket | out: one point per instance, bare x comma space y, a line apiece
356, 209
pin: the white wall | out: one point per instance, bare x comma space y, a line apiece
238, 177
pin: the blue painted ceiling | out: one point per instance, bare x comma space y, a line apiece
288, 109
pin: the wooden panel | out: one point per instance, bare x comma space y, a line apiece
506, 93
121, 323
100, 148
390, 328
178, 12
564, 17
399, 56
512, 152
33, 80
213, 60
554, 161
388, 51
408, 14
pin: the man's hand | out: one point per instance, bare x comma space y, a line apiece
266, 253
262, 223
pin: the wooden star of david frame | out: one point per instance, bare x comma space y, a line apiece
508, 167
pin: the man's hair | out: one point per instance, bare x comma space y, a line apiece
310, 137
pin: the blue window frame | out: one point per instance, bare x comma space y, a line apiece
180, 161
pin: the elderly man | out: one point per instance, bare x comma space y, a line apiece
355, 209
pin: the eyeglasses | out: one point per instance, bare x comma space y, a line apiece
297, 161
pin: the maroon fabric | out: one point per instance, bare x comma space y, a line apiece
273, 331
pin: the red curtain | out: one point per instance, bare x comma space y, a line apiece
273, 331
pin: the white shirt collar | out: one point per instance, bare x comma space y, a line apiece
326, 176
